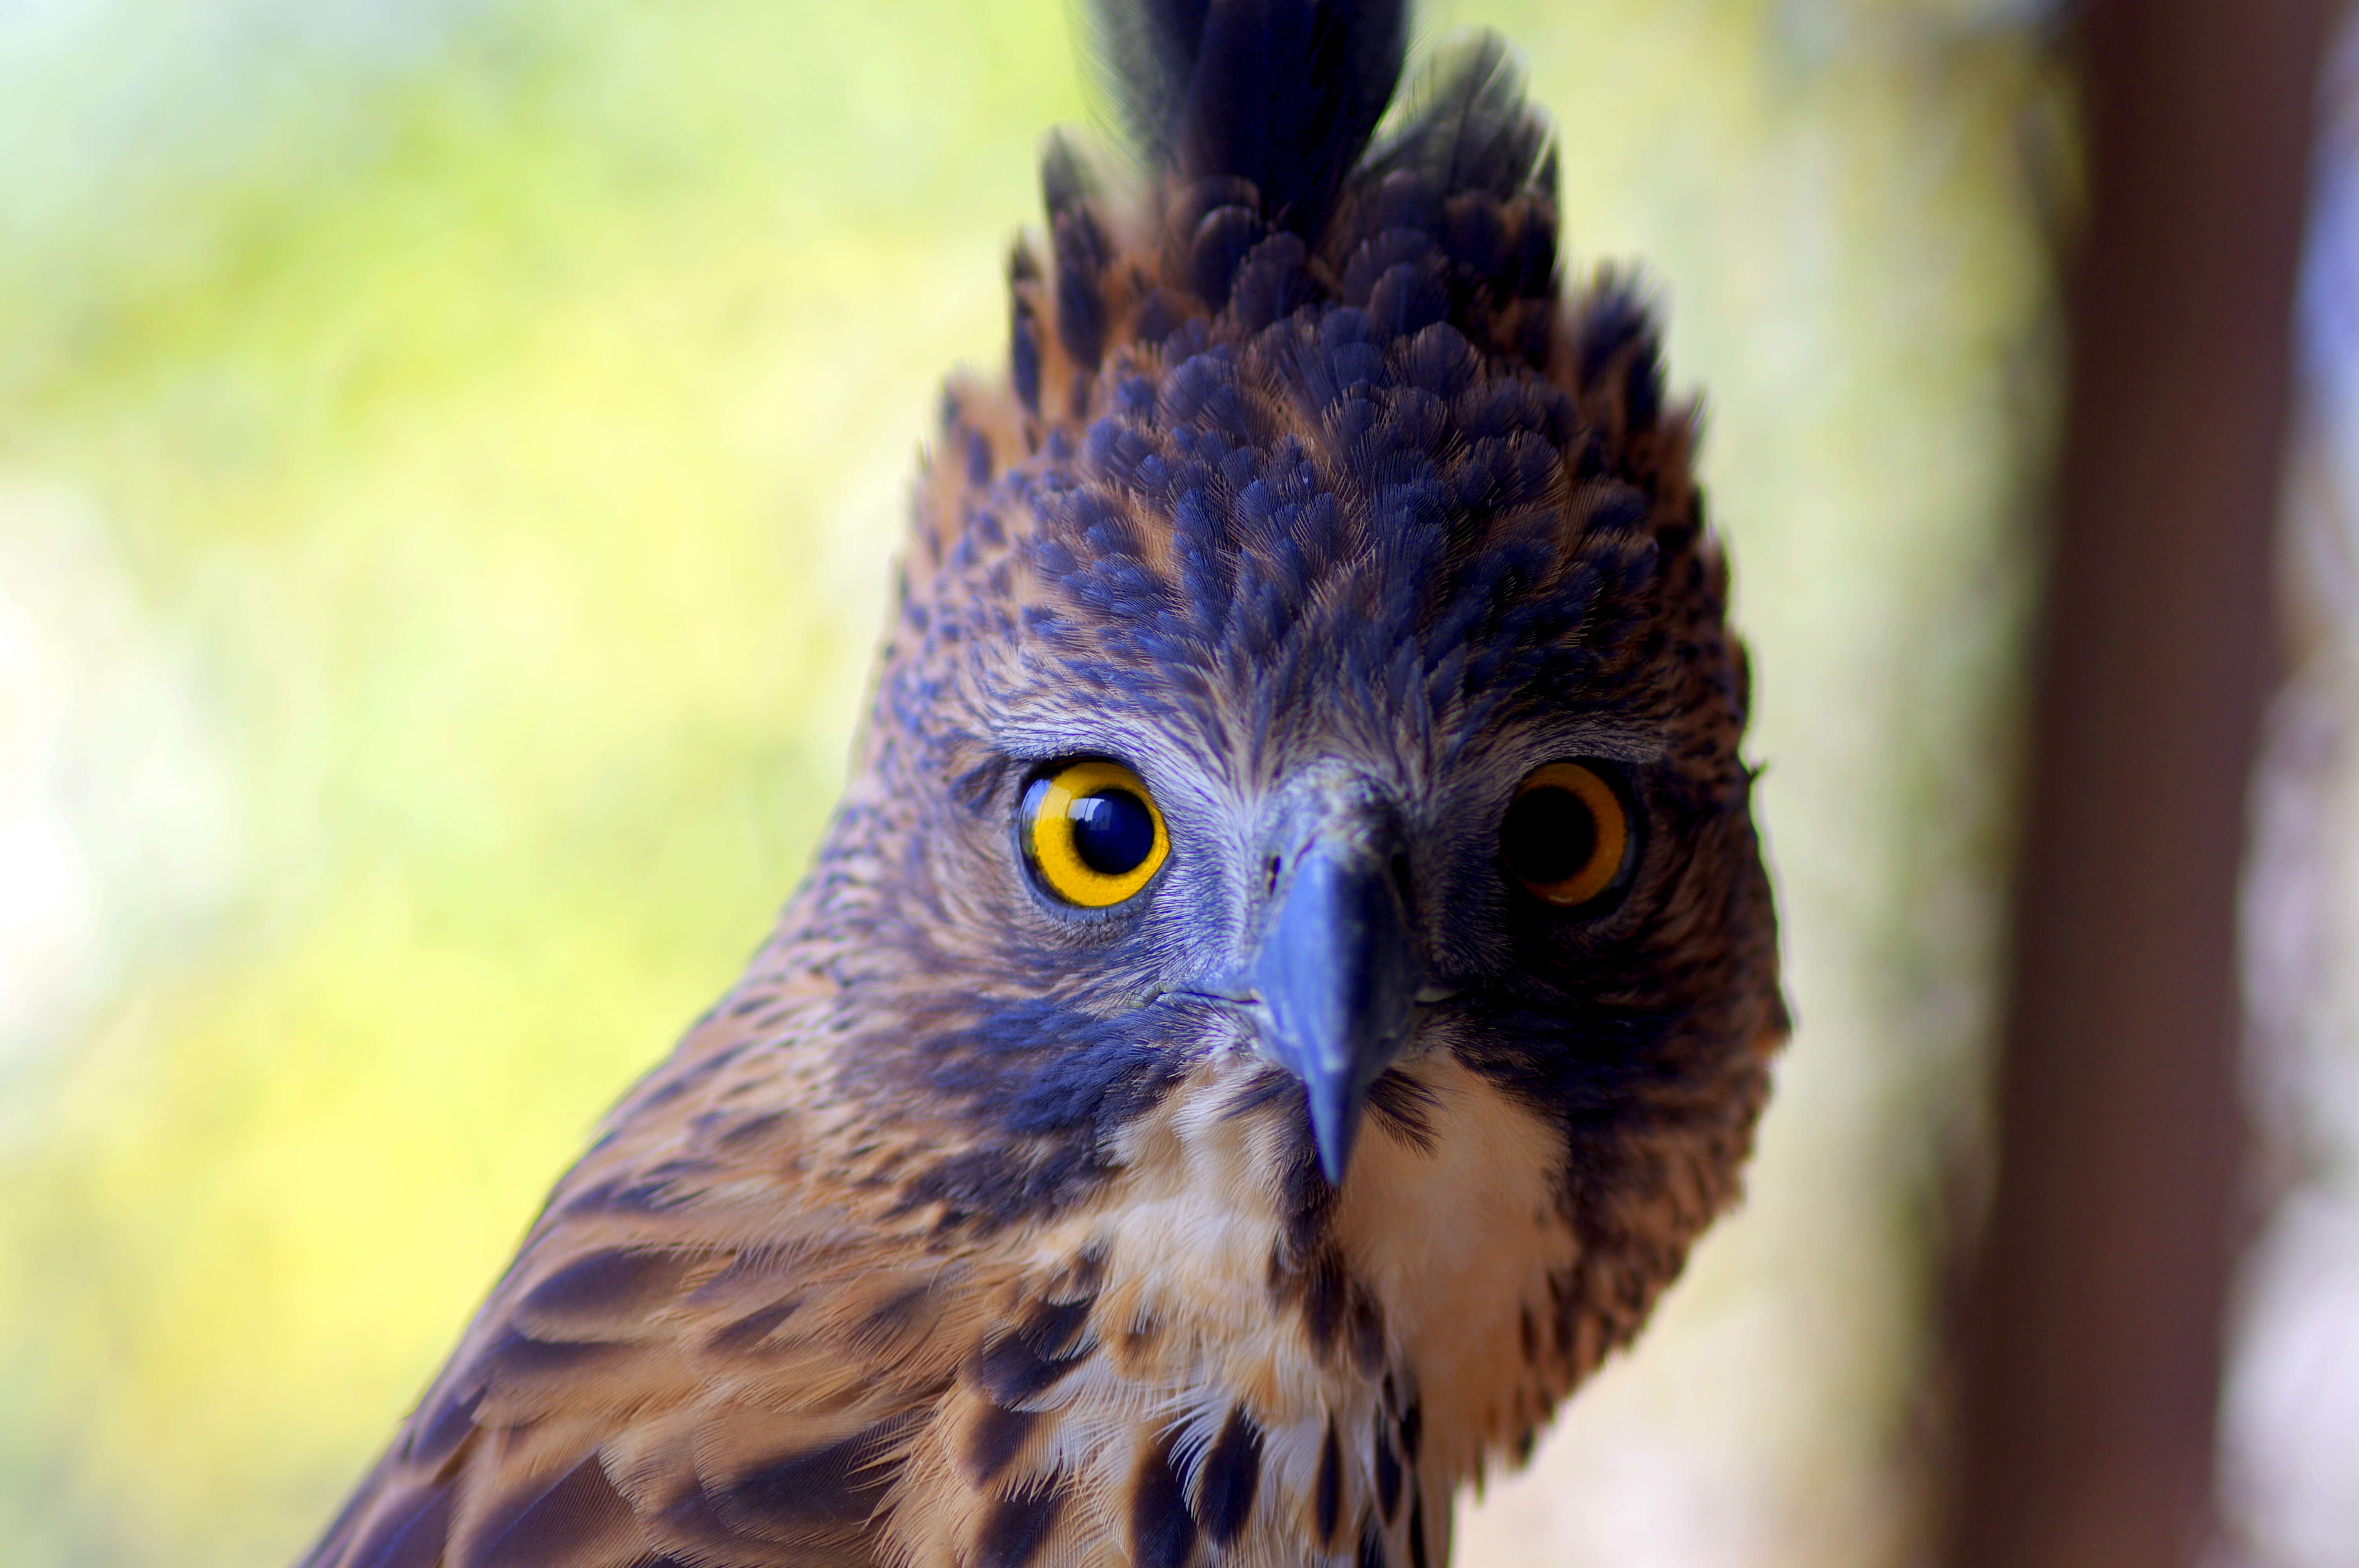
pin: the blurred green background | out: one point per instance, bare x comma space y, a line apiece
450, 454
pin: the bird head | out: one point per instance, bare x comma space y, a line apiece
1309, 661
1292, 970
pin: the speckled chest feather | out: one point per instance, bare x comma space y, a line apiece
980, 1225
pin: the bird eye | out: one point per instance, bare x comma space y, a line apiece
1566, 836
1093, 833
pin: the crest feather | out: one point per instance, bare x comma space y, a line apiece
1283, 94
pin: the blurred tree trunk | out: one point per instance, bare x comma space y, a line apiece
2089, 1347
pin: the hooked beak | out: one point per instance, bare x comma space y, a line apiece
1339, 975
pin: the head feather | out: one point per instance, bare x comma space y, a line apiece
1279, 94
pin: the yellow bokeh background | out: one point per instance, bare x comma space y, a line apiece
448, 460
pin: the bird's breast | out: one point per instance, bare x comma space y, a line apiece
1266, 1363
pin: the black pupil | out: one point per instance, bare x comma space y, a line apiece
1113, 831
1549, 836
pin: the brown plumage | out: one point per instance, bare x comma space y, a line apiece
1016, 1207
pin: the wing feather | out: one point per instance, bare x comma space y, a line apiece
648, 1383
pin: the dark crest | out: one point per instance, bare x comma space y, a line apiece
1256, 119
1312, 388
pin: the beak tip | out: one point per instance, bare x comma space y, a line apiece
1333, 1137
1332, 1165
1337, 969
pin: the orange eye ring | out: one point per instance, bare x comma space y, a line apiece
1566, 836
1093, 833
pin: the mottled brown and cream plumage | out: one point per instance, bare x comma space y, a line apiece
976, 1226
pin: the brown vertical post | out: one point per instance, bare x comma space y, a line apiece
2089, 1352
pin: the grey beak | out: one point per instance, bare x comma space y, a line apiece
1338, 972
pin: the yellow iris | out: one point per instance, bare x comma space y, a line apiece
1567, 835
1093, 833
